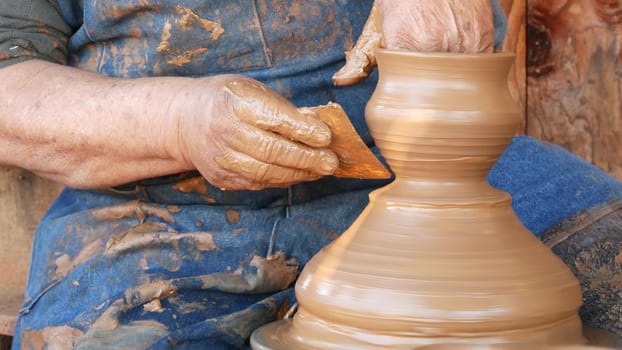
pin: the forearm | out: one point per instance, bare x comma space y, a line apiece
86, 130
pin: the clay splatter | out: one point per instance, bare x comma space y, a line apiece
272, 274
64, 263
62, 337
134, 208
233, 216
164, 38
151, 233
153, 306
190, 18
192, 185
237, 231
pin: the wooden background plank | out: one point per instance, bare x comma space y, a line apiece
515, 42
24, 198
574, 68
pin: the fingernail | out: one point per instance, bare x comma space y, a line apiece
323, 135
330, 162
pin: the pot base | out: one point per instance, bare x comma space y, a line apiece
279, 336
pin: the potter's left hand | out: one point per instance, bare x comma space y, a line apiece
419, 25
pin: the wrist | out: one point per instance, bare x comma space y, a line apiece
180, 101
152, 103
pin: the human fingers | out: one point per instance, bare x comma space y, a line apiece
271, 148
260, 174
438, 26
360, 60
257, 105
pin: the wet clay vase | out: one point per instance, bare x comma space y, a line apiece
438, 256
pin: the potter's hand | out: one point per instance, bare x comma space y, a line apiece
419, 25
241, 135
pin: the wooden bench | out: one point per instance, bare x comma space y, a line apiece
24, 198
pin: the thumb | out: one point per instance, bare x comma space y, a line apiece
361, 61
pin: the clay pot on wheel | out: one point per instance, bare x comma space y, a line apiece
438, 255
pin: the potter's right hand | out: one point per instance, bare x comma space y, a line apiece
241, 135
421, 26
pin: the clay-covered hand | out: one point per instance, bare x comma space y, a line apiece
241, 135
422, 26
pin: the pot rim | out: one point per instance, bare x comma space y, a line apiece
442, 54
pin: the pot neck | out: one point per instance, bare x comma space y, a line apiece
446, 66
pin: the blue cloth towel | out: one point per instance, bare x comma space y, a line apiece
549, 184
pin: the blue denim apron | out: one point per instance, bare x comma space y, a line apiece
174, 262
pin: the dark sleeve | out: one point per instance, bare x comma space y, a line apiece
32, 29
